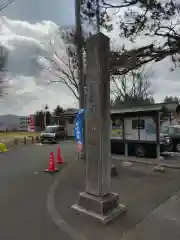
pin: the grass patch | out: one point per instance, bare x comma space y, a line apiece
4, 135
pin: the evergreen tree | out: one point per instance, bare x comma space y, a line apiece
58, 110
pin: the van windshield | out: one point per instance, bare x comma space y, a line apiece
171, 129
51, 129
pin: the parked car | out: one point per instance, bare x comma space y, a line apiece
53, 133
172, 131
165, 143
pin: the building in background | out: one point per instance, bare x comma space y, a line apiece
31, 123
17, 123
24, 123
27, 123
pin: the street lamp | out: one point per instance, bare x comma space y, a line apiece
45, 112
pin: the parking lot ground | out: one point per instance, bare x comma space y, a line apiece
161, 224
139, 187
24, 187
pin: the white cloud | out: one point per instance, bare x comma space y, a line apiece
27, 91
17, 33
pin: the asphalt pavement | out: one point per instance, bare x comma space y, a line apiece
25, 188
140, 188
23, 192
161, 224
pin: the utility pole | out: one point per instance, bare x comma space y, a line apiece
45, 115
79, 52
98, 17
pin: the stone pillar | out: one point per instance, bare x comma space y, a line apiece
97, 200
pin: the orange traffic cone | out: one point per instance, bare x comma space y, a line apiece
60, 160
51, 168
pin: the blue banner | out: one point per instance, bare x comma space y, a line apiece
79, 124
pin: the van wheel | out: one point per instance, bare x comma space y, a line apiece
178, 147
139, 151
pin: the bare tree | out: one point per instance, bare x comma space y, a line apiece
135, 85
63, 61
152, 18
64, 69
5, 4
62, 64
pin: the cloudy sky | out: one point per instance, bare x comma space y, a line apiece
24, 28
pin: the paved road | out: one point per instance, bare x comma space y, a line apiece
24, 187
23, 190
139, 187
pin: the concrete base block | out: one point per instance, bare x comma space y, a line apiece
103, 208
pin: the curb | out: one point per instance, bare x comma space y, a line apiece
73, 233
149, 163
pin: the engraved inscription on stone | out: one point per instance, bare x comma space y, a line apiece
93, 136
93, 109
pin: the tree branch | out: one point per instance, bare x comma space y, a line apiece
5, 4
62, 80
122, 63
126, 4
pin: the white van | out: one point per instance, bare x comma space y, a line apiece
138, 129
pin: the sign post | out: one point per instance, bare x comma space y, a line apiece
97, 200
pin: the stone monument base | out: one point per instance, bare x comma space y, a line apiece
103, 208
